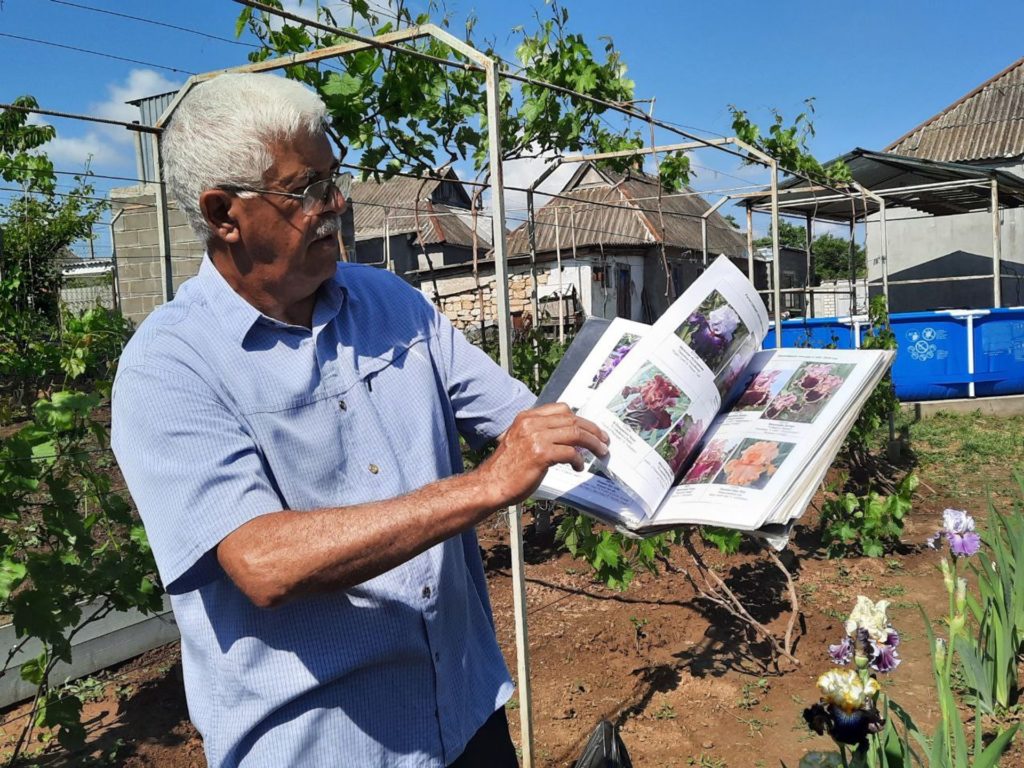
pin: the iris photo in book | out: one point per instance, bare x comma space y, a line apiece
616, 356
807, 392
713, 330
753, 462
650, 404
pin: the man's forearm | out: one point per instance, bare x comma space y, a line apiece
277, 557
283, 555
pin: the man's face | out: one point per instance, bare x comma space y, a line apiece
291, 253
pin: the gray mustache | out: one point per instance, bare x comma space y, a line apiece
328, 226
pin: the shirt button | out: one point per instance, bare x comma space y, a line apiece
426, 592
341, 404
374, 469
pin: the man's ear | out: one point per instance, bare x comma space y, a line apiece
216, 205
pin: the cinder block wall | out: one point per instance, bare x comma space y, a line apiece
138, 258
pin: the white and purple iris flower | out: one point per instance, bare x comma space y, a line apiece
870, 639
958, 528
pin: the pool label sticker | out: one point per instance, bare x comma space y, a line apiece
922, 344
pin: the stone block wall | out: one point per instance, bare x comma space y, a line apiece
139, 265
461, 303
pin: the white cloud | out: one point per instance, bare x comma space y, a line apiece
139, 84
110, 149
72, 153
522, 173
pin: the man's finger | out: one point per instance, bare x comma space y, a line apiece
578, 437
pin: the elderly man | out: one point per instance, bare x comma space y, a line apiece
289, 428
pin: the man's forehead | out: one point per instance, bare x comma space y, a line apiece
300, 159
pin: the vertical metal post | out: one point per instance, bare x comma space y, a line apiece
531, 228
558, 261
116, 292
997, 250
750, 246
853, 272
885, 256
970, 354
140, 161
163, 236
704, 239
776, 271
504, 319
809, 279
387, 240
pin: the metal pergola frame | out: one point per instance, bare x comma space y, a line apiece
978, 188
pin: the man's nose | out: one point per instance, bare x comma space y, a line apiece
336, 202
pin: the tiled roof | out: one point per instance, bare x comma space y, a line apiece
986, 124
626, 211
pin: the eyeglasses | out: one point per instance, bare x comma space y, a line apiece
315, 198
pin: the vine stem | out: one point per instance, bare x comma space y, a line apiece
718, 592
794, 602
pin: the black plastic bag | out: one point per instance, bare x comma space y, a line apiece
604, 749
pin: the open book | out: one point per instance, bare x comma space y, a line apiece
704, 428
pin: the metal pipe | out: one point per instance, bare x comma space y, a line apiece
853, 269
997, 249
970, 354
704, 239
809, 277
531, 230
504, 321
113, 259
776, 272
163, 235
885, 256
558, 261
140, 161
582, 158
750, 246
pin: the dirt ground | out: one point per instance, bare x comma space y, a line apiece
686, 683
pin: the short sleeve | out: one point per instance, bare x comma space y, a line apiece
193, 470
484, 397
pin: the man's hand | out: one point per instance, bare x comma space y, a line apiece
538, 438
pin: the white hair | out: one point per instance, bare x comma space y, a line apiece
221, 131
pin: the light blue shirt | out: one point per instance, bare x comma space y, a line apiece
221, 414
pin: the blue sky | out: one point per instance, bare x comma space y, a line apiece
876, 69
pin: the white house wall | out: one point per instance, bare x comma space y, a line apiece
914, 238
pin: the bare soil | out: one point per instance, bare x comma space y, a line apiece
686, 683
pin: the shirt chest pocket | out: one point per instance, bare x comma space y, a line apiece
377, 432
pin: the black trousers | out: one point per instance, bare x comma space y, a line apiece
490, 747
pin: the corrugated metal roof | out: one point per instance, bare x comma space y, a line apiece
986, 124
625, 211
439, 222
150, 109
882, 171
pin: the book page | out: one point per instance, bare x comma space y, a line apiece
657, 402
589, 489
763, 451
611, 349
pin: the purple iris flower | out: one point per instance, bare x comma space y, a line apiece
958, 528
886, 658
841, 653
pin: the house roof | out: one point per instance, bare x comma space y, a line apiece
882, 171
986, 124
404, 200
599, 208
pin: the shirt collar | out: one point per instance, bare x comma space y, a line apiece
238, 316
